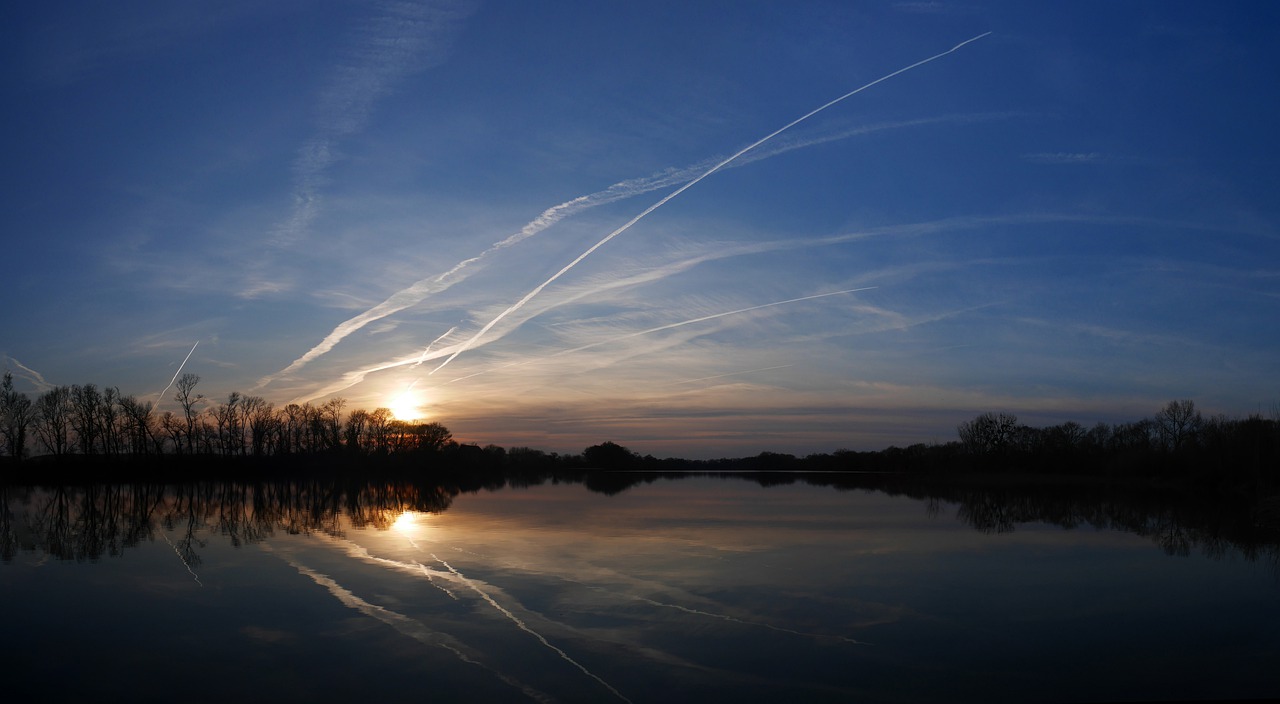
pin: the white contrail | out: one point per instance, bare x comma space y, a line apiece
407, 626
422, 289
928, 227
160, 398
35, 377
521, 625
626, 226
721, 376
705, 318
760, 624
447, 333
668, 326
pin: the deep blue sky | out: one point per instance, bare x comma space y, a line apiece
1071, 218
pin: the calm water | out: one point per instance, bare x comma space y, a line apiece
692, 589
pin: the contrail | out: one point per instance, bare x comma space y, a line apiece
406, 626
353, 377
447, 333
669, 326
160, 399
183, 559
721, 376
626, 226
521, 625
422, 289
34, 376
760, 624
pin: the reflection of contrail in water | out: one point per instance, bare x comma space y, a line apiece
415, 568
521, 625
407, 626
668, 326
160, 398
760, 624
178, 552
627, 225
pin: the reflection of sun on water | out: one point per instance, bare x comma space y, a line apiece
410, 524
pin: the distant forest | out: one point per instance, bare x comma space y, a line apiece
84, 432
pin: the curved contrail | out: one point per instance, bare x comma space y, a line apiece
626, 226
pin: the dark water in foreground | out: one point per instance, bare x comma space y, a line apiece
697, 589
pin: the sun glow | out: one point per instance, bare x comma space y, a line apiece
410, 524
407, 406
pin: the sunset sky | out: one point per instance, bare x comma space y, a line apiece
557, 223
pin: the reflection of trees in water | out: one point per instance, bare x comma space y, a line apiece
86, 523
1176, 521
90, 522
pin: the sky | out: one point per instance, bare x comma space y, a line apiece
696, 229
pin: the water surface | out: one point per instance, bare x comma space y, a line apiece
683, 589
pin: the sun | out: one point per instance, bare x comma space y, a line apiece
406, 406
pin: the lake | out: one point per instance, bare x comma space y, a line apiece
634, 588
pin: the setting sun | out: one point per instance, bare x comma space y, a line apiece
406, 406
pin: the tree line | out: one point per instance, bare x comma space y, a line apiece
92, 422
80, 423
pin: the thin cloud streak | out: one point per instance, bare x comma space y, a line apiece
405, 38
356, 376
916, 229
406, 626
524, 627
538, 289
661, 328
31, 375
623, 190
160, 397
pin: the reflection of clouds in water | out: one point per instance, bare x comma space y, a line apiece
652, 587
760, 624
407, 626
186, 564
594, 603
524, 627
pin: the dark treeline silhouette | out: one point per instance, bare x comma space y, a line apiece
86, 433
92, 521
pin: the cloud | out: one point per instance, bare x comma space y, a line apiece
665, 199
1064, 158
34, 377
404, 38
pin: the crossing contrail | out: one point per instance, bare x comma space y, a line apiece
522, 626
663, 201
160, 399
424, 288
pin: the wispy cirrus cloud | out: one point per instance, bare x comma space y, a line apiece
1065, 157
24, 372
402, 39
422, 289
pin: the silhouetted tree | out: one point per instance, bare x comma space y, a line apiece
1177, 424
86, 411
989, 433
16, 415
53, 420
186, 397
608, 455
